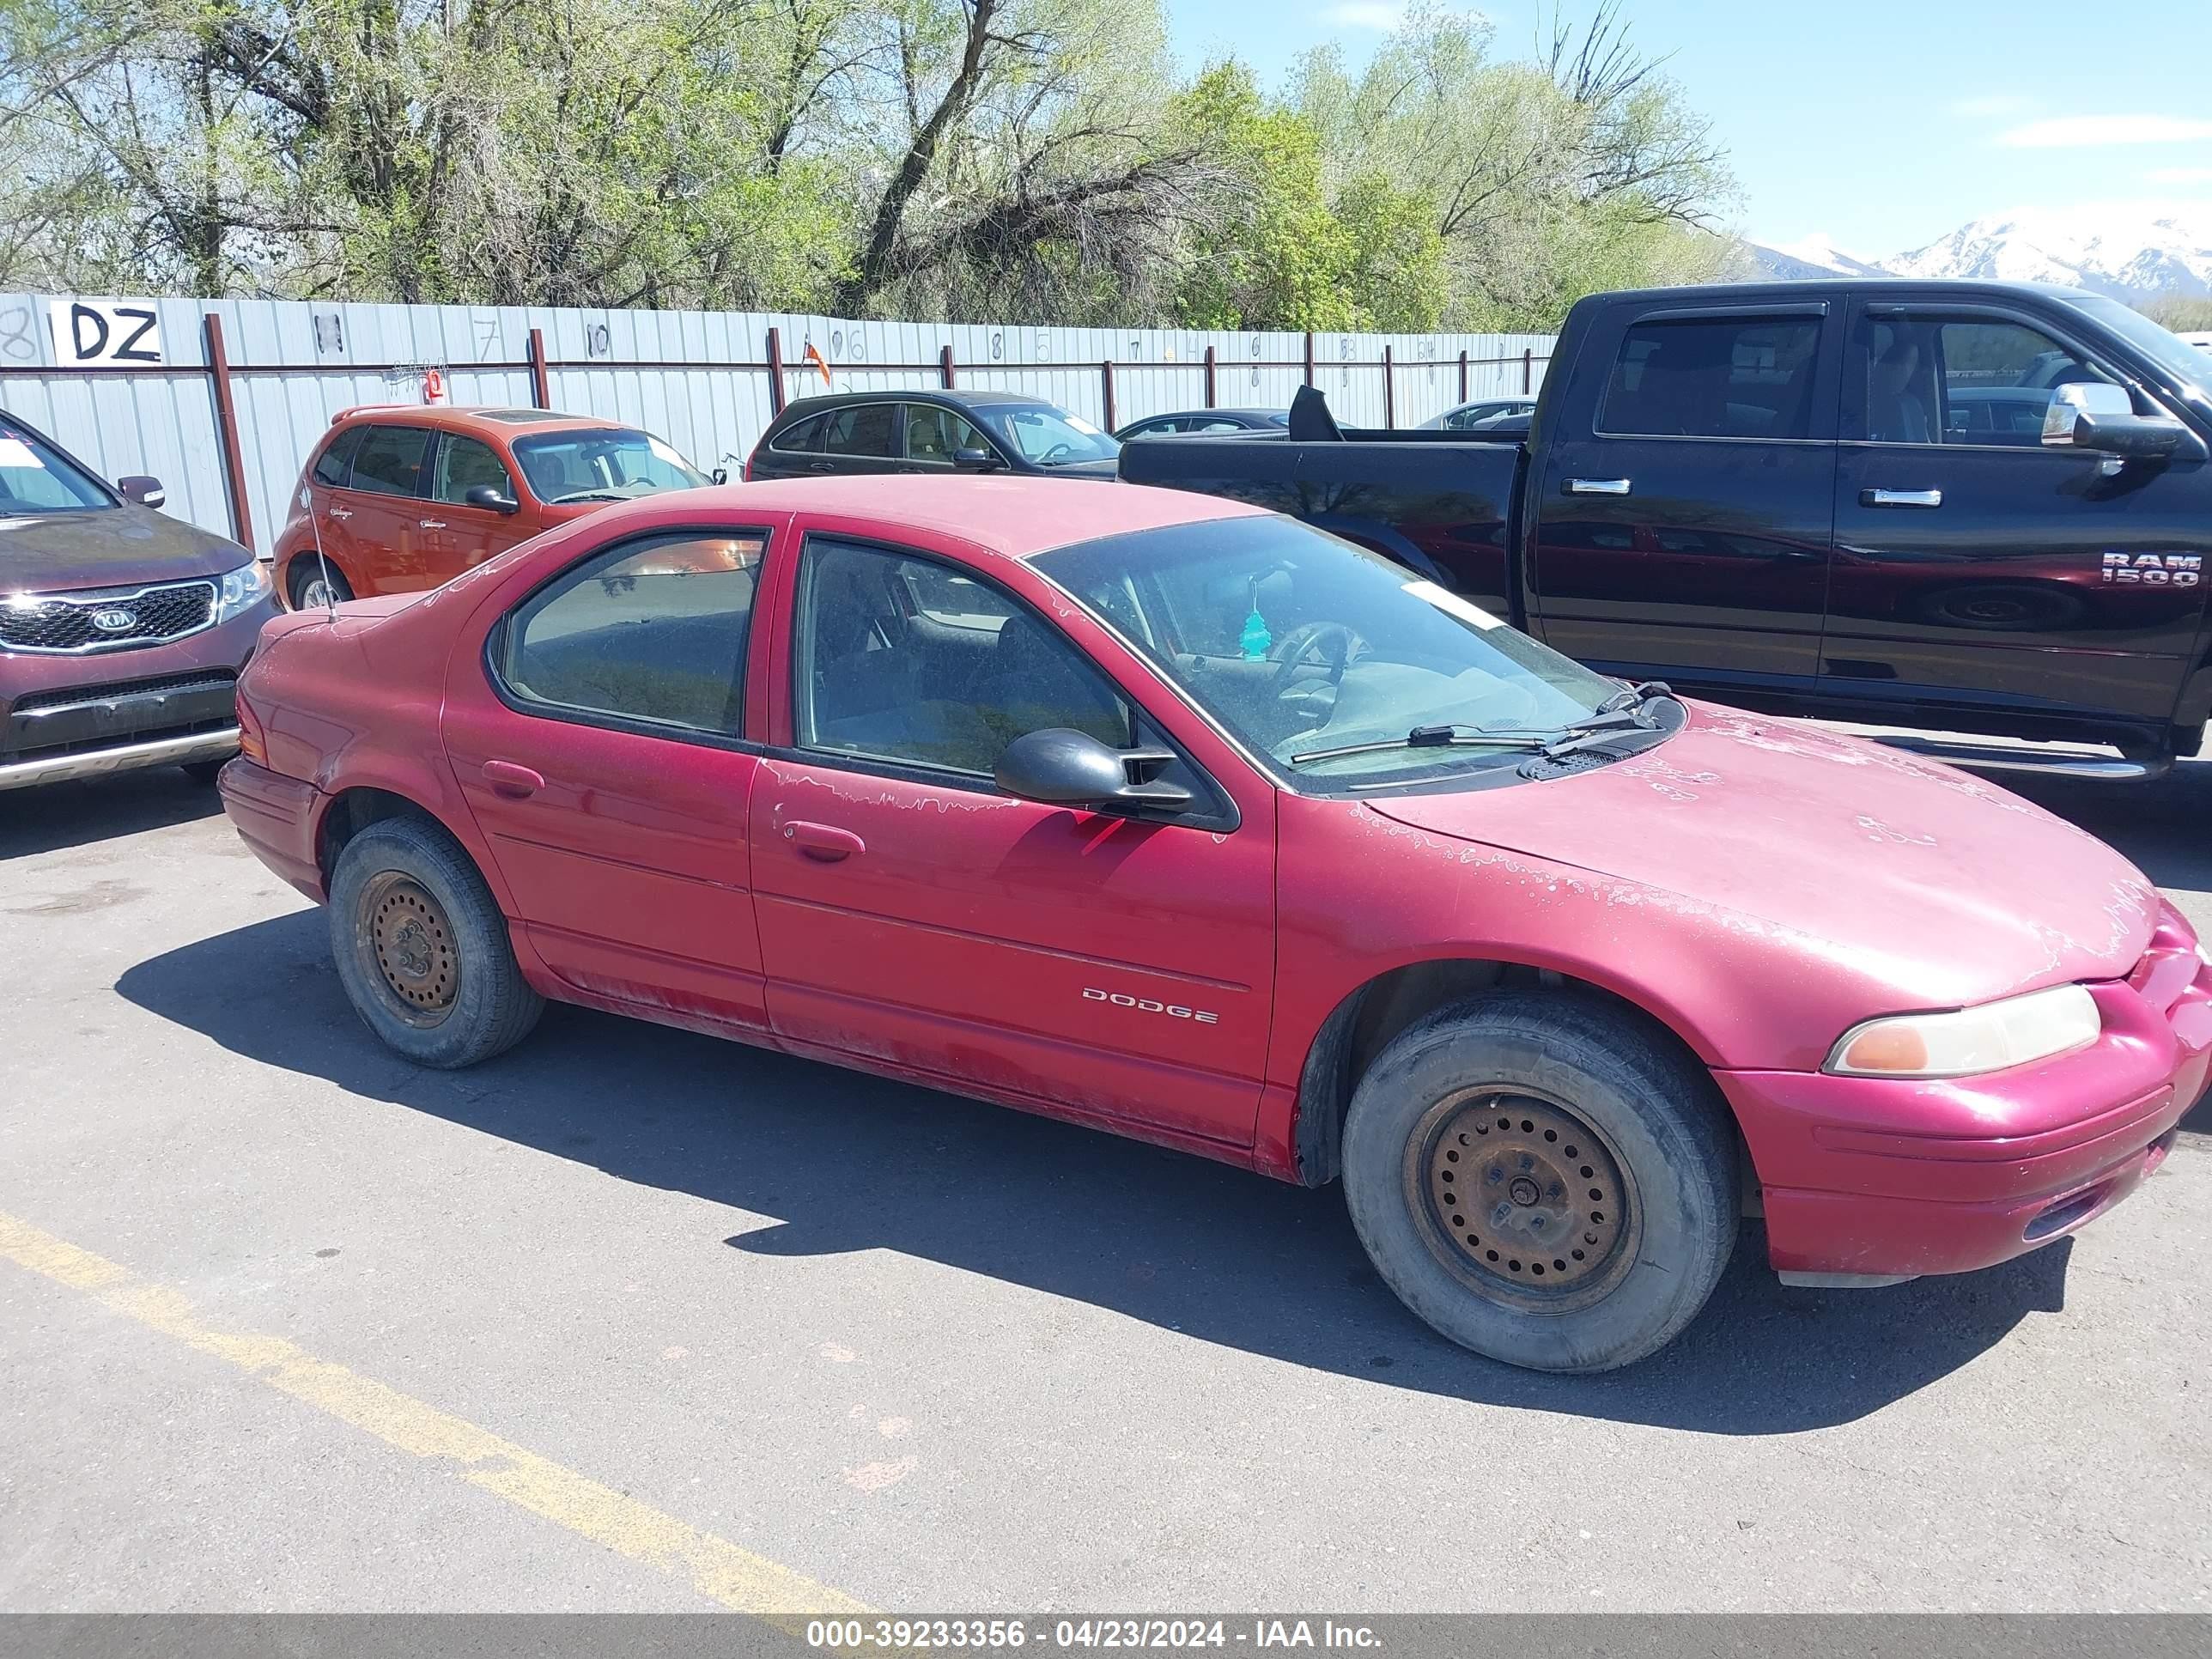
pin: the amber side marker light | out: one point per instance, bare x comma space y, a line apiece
251, 743
1968, 1042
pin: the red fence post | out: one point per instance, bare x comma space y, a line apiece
1462, 377
1309, 357
944, 364
226, 426
1527, 369
1390, 392
1106, 379
541, 387
775, 371
1209, 377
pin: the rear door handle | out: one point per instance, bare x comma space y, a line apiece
824, 842
822, 466
515, 782
432, 524
1597, 486
1900, 498
341, 512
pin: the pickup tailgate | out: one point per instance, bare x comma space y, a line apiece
1443, 508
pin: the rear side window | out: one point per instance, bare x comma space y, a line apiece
805, 434
390, 460
336, 461
1722, 377
652, 631
865, 430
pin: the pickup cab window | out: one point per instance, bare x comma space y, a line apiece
1955, 380
1719, 377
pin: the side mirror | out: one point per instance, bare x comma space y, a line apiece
2092, 414
144, 490
492, 498
1058, 767
975, 460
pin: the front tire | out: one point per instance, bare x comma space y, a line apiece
1543, 1180
422, 950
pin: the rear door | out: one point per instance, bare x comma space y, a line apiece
1683, 514
1978, 570
458, 534
861, 438
385, 508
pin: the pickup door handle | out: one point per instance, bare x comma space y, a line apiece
515, 782
1900, 498
1597, 486
824, 842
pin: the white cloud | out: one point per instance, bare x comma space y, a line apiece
1382, 15
2003, 103
2180, 175
2081, 131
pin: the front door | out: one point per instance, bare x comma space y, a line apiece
458, 534
1977, 569
1683, 515
914, 915
608, 770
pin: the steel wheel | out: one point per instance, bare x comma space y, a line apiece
411, 942
1521, 1199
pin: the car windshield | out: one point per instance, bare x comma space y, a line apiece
35, 478
1047, 437
1297, 642
602, 463
2188, 364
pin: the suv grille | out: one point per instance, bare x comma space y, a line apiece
204, 679
108, 621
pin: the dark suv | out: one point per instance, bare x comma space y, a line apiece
931, 431
122, 630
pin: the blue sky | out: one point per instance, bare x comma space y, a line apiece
1884, 124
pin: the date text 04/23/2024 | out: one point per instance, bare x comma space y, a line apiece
857, 1635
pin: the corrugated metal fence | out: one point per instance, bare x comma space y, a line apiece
222, 399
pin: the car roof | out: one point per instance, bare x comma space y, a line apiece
1009, 514
957, 399
1874, 288
1186, 413
451, 417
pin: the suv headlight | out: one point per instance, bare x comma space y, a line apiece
1970, 1041
239, 591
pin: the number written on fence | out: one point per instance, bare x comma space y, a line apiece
96, 332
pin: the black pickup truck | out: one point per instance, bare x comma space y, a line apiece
1957, 507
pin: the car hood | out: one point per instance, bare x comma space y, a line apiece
114, 547
1913, 874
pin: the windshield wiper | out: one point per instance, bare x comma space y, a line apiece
1587, 731
1632, 696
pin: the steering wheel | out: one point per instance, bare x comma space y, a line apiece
1333, 639
1054, 454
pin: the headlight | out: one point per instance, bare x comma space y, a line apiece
240, 590
1972, 1039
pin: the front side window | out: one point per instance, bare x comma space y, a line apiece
601, 463
1044, 436
1297, 642
652, 631
864, 430
336, 461
35, 478
464, 464
390, 460
1956, 380
1720, 377
937, 433
912, 662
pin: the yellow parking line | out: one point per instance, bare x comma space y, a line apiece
713, 1566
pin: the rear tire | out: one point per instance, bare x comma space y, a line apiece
1543, 1180
421, 948
308, 587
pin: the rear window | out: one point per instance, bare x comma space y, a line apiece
1722, 377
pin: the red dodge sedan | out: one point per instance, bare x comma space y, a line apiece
1178, 818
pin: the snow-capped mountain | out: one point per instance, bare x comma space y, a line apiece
2130, 253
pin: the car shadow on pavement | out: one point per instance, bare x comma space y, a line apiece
55, 816
841, 1161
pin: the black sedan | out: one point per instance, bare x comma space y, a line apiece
930, 432
1188, 422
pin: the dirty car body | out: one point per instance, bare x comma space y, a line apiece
1599, 952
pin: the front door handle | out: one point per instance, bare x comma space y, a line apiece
1900, 498
515, 782
1597, 486
824, 842
432, 524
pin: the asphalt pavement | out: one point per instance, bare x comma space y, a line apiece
635, 1320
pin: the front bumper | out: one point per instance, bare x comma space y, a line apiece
1868, 1179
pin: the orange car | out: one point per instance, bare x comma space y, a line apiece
406, 497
